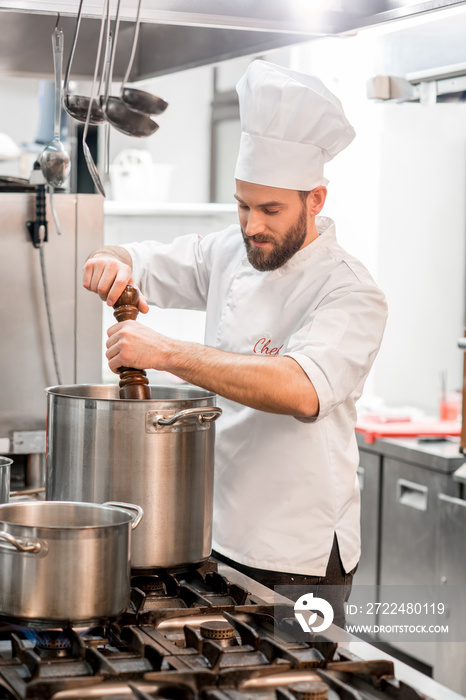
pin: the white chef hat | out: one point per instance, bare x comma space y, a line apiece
291, 125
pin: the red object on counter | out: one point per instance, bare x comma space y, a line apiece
373, 430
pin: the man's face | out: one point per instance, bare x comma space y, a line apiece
274, 224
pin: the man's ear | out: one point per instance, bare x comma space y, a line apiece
316, 200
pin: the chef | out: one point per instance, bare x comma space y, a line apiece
293, 325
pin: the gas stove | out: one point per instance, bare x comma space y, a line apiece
190, 636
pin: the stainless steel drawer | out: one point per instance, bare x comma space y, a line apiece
409, 533
409, 522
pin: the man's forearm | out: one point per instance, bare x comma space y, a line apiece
273, 384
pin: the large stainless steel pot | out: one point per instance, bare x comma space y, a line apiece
157, 453
65, 563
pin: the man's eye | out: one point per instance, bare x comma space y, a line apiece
242, 206
270, 212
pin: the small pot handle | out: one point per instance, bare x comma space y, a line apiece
131, 507
204, 415
32, 546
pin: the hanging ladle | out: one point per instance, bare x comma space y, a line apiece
91, 166
77, 106
54, 161
139, 100
117, 113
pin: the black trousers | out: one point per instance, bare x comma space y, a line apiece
335, 586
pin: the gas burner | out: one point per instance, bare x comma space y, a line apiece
220, 630
149, 584
52, 639
309, 690
51, 643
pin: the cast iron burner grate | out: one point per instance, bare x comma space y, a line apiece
248, 637
195, 588
201, 569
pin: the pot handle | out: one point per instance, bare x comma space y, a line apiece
204, 415
131, 507
31, 546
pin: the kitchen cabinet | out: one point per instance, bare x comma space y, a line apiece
420, 525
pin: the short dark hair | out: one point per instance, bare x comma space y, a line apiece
303, 194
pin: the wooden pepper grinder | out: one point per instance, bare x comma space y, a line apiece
134, 383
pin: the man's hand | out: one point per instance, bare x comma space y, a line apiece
130, 344
107, 272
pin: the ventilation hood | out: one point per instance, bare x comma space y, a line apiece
180, 34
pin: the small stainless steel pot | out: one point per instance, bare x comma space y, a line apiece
65, 563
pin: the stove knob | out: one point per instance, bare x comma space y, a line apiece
309, 690
217, 630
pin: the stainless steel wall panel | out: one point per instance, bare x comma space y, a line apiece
25, 349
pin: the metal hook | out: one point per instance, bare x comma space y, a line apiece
58, 20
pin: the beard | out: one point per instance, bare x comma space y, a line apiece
282, 251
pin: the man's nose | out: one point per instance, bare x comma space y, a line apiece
255, 223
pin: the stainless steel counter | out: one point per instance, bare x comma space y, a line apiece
443, 456
422, 683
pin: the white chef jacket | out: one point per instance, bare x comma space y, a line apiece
283, 486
